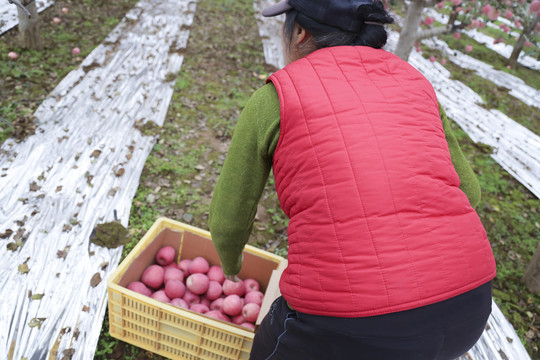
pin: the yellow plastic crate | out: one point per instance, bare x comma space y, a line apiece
170, 331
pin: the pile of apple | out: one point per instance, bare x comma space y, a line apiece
195, 285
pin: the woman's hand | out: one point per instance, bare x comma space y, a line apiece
234, 278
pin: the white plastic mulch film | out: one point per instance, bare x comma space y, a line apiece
9, 16
82, 165
516, 149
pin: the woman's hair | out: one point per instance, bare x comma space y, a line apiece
373, 35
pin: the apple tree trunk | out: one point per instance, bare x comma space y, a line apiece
407, 36
531, 278
518, 47
29, 34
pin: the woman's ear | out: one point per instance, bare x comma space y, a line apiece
301, 35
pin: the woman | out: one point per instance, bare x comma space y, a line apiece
387, 257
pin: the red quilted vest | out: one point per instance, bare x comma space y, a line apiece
378, 223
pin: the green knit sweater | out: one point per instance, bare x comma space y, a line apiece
247, 167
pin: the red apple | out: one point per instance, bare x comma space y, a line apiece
215, 273
231, 287
197, 283
153, 276
205, 301
214, 290
232, 305
251, 285
165, 255
251, 312
200, 308
198, 265
217, 304
255, 297
139, 287
180, 303
191, 298
216, 314
238, 319
173, 273
160, 296
183, 265
175, 289
248, 325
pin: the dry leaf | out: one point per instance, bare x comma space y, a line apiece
34, 186
96, 279
37, 296
68, 354
120, 172
23, 268
6, 234
95, 153
85, 308
36, 322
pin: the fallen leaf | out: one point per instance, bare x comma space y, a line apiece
85, 308
34, 186
6, 234
104, 265
68, 354
23, 268
120, 172
37, 296
20, 233
95, 153
96, 279
59, 188
63, 253
36, 322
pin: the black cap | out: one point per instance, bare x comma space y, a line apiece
337, 13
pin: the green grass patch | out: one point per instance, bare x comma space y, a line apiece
26, 82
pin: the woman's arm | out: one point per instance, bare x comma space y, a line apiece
243, 177
469, 183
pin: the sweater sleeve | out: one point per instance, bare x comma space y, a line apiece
468, 181
243, 177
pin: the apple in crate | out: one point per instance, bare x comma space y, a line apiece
139, 287
173, 273
184, 265
232, 305
251, 285
197, 283
198, 265
153, 276
160, 296
165, 255
215, 273
251, 312
214, 290
175, 289
254, 297
180, 303
233, 287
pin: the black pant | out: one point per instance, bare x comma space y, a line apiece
441, 331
